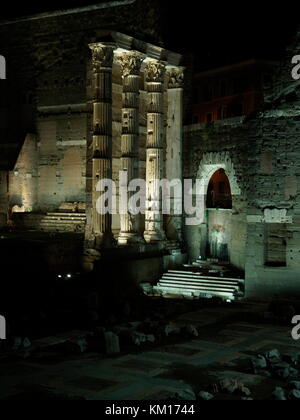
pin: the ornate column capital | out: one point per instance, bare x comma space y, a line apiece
102, 56
175, 77
131, 63
155, 72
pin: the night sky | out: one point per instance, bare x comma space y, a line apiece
217, 33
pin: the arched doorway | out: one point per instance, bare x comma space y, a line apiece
219, 191
219, 205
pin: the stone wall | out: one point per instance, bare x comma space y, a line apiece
264, 152
46, 92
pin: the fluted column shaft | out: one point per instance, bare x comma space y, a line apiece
174, 158
103, 55
131, 66
154, 73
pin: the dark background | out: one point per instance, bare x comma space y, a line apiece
216, 32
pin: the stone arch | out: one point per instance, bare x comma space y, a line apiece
212, 162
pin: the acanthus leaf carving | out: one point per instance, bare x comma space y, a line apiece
131, 63
102, 56
155, 72
175, 77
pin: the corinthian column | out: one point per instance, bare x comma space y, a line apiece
131, 66
154, 73
174, 159
102, 60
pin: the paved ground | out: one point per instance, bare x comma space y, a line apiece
222, 350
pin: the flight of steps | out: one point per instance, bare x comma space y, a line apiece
52, 222
190, 283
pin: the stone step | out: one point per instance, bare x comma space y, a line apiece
208, 281
190, 292
202, 283
67, 214
190, 283
191, 274
60, 221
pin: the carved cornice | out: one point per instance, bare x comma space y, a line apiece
131, 63
102, 56
155, 72
175, 77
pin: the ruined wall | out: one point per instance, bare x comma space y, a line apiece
208, 148
264, 226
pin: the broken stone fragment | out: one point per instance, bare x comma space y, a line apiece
192, 330
294, 394
279, 394
206, 396
186, 395
287, 373
294, 385
172, 328
244, 390
280, 365
229, 385
273, 356
264, 373
259, 363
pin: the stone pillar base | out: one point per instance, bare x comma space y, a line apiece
154, 236
105, 240
129, 238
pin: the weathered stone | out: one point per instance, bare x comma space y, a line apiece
287, 373
192, 330
259, 363
112, 343
230, 385
206, 396
294, 394
244, 390
273, 356
294, 385
279, 394
172, 329
186, 395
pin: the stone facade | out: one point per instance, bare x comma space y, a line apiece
97, 102
85, 98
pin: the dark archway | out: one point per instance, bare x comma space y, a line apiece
219, 191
